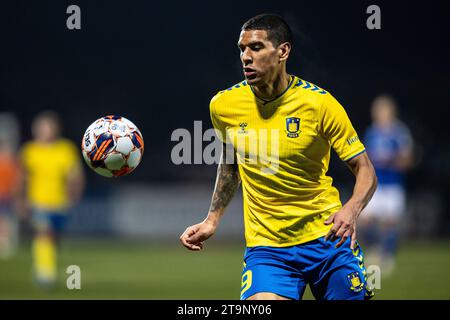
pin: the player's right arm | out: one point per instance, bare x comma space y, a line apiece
227, 182
404, 159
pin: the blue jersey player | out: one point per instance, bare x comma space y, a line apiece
389, 145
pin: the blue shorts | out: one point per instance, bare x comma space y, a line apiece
50, 221
332, 273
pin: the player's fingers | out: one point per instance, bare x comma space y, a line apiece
184, 238
191, 232
329, 220
192, 246
185, 243
334, 237
344, 238
196, 237
183, 235
196, 247
338, 230
331, 235
343, 229
353, 242
340, 242
187, 233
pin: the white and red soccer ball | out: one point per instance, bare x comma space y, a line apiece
112, 146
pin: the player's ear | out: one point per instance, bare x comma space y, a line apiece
284, 50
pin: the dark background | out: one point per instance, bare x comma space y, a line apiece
159, 63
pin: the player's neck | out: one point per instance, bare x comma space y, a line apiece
274, 88
46, 141
385, 125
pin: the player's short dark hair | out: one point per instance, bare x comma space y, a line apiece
48, 115
278, 31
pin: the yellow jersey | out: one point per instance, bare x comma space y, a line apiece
282, 148
47, 167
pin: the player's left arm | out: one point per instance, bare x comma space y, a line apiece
75, 176
338, 130
344, 220
75, 183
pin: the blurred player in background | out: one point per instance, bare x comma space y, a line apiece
9, 184
390, 147
296, 229
54, 182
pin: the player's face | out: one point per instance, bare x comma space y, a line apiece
45, 130
260, 59
383, 111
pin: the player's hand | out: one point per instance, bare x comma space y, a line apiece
344, 226
193, 237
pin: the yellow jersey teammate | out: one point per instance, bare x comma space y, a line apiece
53, 183
277, 131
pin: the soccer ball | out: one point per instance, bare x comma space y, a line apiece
112, 146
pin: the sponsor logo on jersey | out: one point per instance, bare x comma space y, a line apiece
352, 140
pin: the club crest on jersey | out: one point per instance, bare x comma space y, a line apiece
292, 127
355, 282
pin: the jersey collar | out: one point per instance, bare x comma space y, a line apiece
281, 95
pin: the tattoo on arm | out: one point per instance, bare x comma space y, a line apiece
227, 182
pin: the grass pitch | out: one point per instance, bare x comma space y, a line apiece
112, 269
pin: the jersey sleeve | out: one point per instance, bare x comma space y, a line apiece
218, 125
338, 130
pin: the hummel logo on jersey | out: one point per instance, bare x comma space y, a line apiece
243, 126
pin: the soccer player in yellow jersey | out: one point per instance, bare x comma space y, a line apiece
53, 182
280, 129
